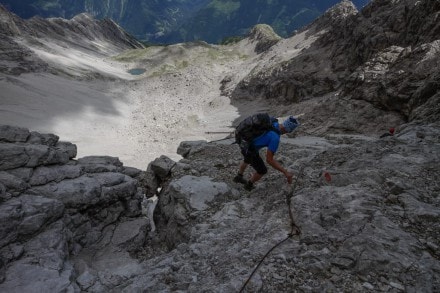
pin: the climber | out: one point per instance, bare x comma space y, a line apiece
267, 136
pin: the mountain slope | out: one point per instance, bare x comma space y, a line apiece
72, 76
144, 19
220, 19
374, 61
81, 32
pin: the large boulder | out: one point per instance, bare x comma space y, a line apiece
43, 175
96, 164
186, 198
13, 134
162, 167
43, 265
26, 215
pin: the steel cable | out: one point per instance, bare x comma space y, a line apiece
290, 235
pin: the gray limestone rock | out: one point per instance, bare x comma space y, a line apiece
12, 156
11, 215
131, 171
197, 192
125, 189
86, 280
149, 182
13, 183
109, 179
184, 200
131, 233
68, 148
162, 167
106, 196
73, 193
98, 164
13, 134
22, 173
45, 155
42, 266
44, 175
187, 147
44, 139
25, 215
2, 192
51, 207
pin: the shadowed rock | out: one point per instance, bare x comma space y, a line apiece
52, 207
380, 59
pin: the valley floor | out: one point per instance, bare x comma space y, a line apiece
93, 102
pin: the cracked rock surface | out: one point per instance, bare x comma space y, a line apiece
367, 208
52, 207
370, 224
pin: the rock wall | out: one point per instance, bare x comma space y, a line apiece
52, 207
384, 59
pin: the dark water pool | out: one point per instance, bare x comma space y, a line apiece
136, 71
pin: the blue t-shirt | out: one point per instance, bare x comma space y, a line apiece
270, 139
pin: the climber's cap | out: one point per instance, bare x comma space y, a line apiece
290, 124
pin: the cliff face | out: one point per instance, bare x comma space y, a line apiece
52, 207
397, 67
382, 59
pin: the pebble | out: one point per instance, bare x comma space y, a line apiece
432, 245
368, 286
397, 286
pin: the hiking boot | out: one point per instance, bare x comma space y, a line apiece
249, 186
239, 179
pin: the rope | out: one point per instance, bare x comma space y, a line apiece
261, 261
288, 200
219, 132
290, 235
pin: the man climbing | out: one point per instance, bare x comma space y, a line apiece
254, 133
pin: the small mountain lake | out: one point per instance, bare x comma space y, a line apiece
136, 71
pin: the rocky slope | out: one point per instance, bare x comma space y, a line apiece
372, 69
102, 37
367, 204
367, 209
